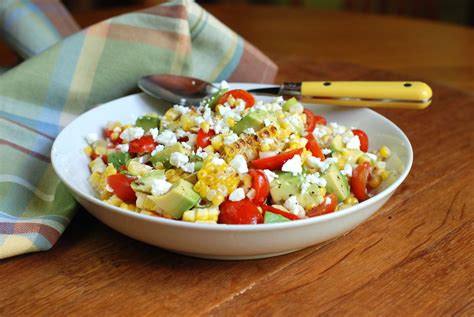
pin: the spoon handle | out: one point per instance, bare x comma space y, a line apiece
374, 94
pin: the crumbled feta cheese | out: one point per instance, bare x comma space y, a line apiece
131, 134
251, 193
180, 133
316, 179
249, 131
315, 162
267, 141
188, 167
91, 138
328, 200
267, 122
178, 159
295, 121
293, 165
231, 138
186, 145
109, 189
294, 207
327, 162
198, 120
191, 139
154, 133
337, 129
239, 164
122, 147
371, 156
220, 126
157, 149
230, 112
352, 143
267, 154
326, 151
320, 131
166, 137
217, 161
160, 187
201, 153
181, 109
224, 85
279, 100
144, 159
270, 175
237, 195
347, 170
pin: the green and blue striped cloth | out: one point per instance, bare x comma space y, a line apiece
68, 71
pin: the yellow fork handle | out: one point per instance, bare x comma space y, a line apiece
374, 94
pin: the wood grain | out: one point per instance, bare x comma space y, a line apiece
414, 257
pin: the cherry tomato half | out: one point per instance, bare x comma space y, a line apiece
142, 145
313, 147
327, 206
261, 185
360, 175
238, 94
120, 183
203, 139
312, 120
239, 212
275, 162
363, 138
280, 212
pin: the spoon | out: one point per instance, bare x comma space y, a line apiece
375, 94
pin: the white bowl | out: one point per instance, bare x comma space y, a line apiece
219, 241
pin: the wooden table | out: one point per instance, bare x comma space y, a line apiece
414, 257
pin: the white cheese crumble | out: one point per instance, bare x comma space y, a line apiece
224, 85
109, 189
239, 164
154, 133
178, 159
166, 137
186, 145
371, 156
217, 161
201, 153
328, 200
249, 131
279, 100
347, 170
270, 175
188, 167
352, 143
326, 151
320, 131
237, 195
131, 134
180, 109
294, 207
91, 138
293, 165
157, 149
231, 138
267, 122
122, 147
296, 108
160, 187
267, 154
337, 129
316, 162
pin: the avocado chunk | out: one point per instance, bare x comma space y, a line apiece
118, 159
289, 103
337, 145
337, 183
251, 120
311, 197
212, 101
144, 183
284, 186
147, 122
164, 155
352, 156
137, 169
271, 217
174, 203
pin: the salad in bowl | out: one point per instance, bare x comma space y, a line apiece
235, 160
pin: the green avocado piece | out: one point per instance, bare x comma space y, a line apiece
147, 122
174, 203
118, 159
337, 183
289, 103
212, 101
271, 217
311, 197
164, 155
284, 186
143, 184
337, 145
251, 120
352, 156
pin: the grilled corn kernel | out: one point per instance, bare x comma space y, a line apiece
230, 122
110, 170
173, 175
189, 215
100, 151
326, 138
351, 200
384, 174
375, 181
217, 142
323, 191
205, 127
265, 147
384, 152
247, 181
114, 135
341, 162
363, 159
88, 150
187, 122
172, 114
115, 201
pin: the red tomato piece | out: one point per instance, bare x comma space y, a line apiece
275, 162
261, 185
280, 212
326, 207
203, 139
363, 138
120, 183
102, 157
108, 135
239, 212
143, 145
313, 147
312, 120
360, 175
238, 94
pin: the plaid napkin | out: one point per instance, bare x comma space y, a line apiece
69, 72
